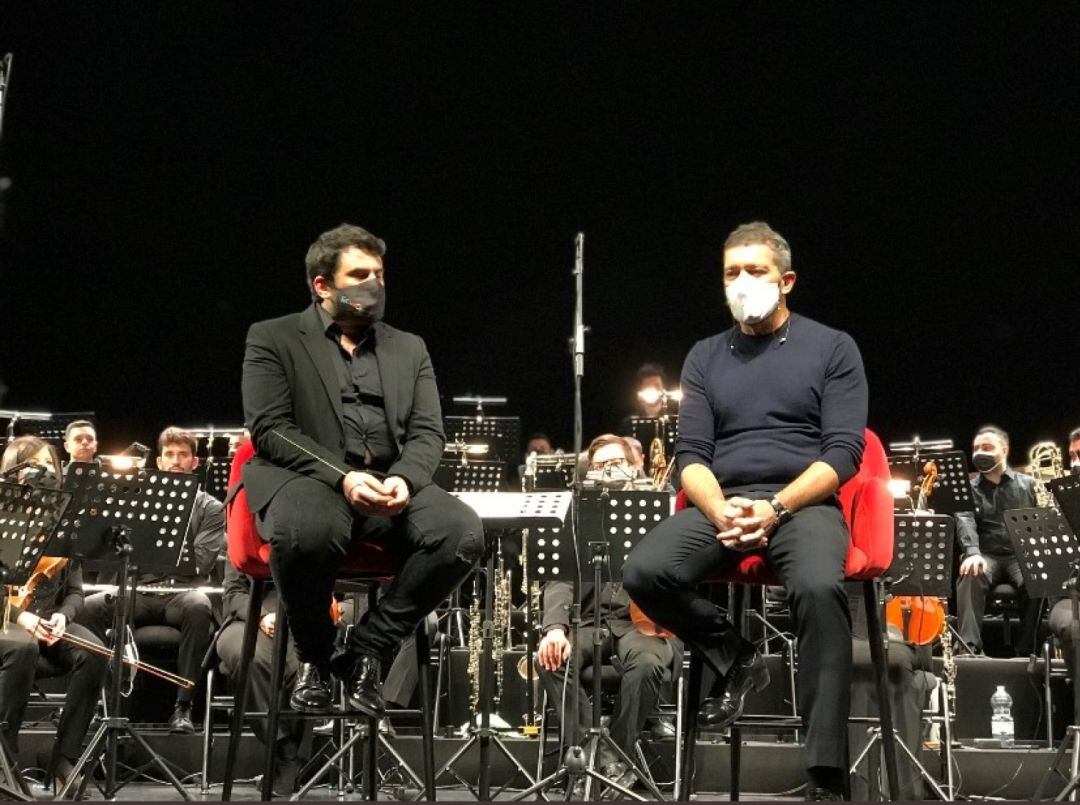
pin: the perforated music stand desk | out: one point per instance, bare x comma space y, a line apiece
952, 490
1045, 547
923, 545
500, 433
472, 476
617, 518
29, 516
155, 505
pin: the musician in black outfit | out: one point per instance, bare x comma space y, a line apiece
640, 659
32, 645
344, 412
770, 425
188, 609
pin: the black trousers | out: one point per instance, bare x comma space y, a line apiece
641, 661
808, 553
1060, 623
190, 612
19, 665
971, 593
229, 645
436, 541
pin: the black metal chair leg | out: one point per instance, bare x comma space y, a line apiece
689, 738
881, 672
247, 652
371, 761
423, 667
277, 678
736, 762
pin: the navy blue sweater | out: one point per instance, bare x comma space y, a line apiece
758, 412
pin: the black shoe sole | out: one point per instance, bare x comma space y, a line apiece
353, 706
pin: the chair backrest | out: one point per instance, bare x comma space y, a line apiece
868, 511
248, 552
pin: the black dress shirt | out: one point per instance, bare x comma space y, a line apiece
368, 441
983, 531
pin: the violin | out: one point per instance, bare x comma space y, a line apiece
645, 625
42, 580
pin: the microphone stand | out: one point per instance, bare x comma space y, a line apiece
576, 764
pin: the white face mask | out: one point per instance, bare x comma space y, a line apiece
752, 299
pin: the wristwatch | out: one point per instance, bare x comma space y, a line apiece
783, 513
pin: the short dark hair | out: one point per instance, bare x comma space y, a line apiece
994, 429
175, 435
757, 232
651, 370
78, 423
322, 255
1074, 435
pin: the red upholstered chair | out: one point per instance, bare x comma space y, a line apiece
250, 554
868, 511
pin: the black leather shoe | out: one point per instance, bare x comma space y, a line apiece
363, 691
816, 794
180, 721
311, 693
748, 673
662, 729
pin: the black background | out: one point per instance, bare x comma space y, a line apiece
171, 162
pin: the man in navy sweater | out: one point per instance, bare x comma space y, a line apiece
770, 426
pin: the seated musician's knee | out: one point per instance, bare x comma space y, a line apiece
640, 665
19, 653
466, 529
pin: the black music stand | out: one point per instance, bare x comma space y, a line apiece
952, 490
499, 512
455, 475
29, 515
1047, 548
922, 555
923, 547
611, 523
549, 472
141, 518
502, 434
49, 427
217, 446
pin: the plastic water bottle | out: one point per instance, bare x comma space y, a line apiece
1001, 720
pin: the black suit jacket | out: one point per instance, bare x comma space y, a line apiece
292, 405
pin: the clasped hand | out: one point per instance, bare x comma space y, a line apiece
745, 525
368, 495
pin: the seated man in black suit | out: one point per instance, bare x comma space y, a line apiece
344, 412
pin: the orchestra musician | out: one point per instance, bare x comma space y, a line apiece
188, 609
37, 633
771, 424
989, 557
640, 658
80, 440
344, 412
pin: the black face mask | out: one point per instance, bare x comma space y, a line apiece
363, 303
984, 462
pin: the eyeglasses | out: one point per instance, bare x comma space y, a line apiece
612, 465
